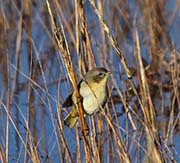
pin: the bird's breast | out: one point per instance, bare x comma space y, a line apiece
93, 96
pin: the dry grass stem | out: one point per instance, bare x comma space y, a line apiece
46, 49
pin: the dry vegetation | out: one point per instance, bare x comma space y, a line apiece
46, 47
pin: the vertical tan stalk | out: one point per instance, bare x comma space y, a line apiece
93, 139
8, 112
31, 136
7, 63
62, 46
148, 109
88, 56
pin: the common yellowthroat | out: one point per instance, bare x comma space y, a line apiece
93, 90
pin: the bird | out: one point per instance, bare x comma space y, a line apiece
93, 90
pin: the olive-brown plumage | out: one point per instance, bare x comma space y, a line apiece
93, 90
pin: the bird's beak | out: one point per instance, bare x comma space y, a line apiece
109, 73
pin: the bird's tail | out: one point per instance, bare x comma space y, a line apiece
71, 119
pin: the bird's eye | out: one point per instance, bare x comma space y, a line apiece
101, 74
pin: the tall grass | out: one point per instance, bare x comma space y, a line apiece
47, 46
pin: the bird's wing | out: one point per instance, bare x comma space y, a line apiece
68, 102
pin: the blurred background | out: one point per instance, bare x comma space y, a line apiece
34, 81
